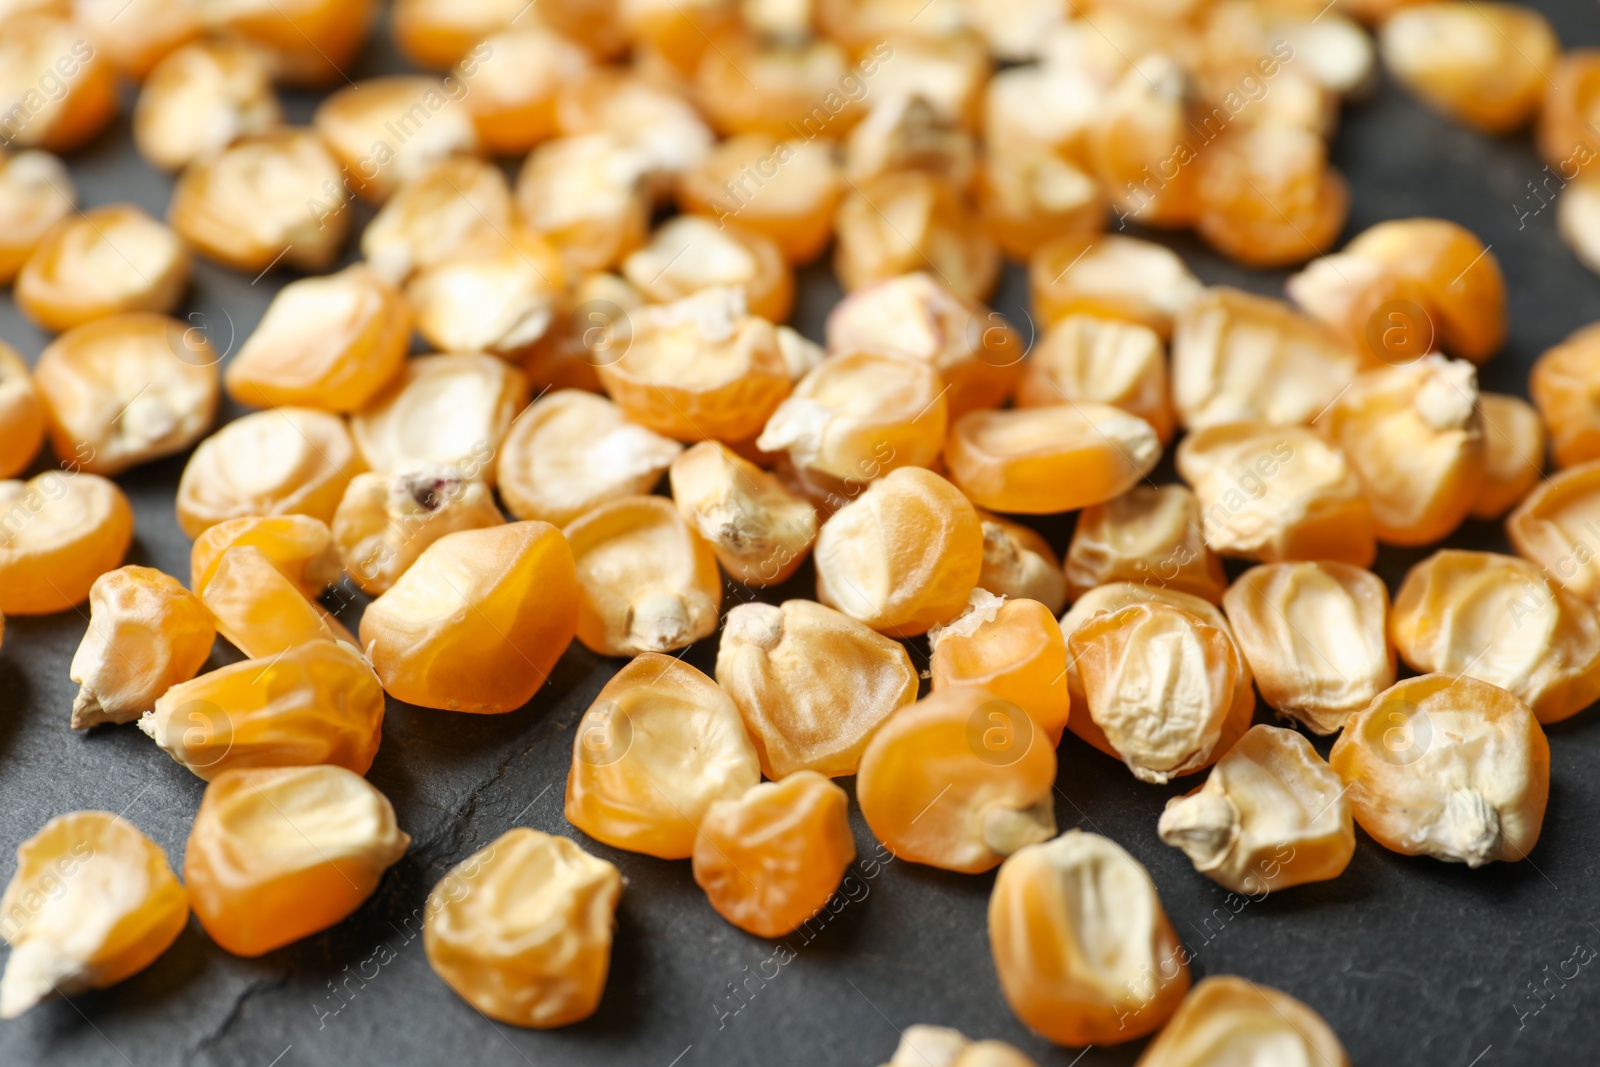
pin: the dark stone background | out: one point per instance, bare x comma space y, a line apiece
1411, 960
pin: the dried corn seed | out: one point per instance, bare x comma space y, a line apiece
651, 118
61, 88
690, 253
597, 320
1113, 277
36, 192
106, 261
1555, 526
778, 87
786, 190
1234, 1020
1087, 358
1014, 649
434, 213
260, 610
1267, 196
677, 34
500, 293
385, 521
1150, 534
1577, 220
1140, 134
1020, 564
154, 28
856, 24
355, 122
1565, 130
450, 410
438, 34
299, 546
312, 42
759, 530
60, 531
938, 1046
587, 194
1559, 384
519, 71
1513, 453
1026, 199
21, 414
1485, 64
908, 133
1043, 109
201, 98
909, 221
1383, 315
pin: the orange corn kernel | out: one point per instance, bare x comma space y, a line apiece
959, 780
677, 33
385, 521
312, 41
247, 206
759, 530
812, 684
1484, 64
659, 746
36, 192
587, 195
769, 860
277, 853
595, 321
107, 260
146, 634
1227, 1019
1084, 951
519, 71
690, 253
1011, 648
949, 71
152, 29
1139, 144
908, 133
201, 98
300, 547
648, 582
1448, 767
285, 461
500, 293
1267, 196
1020, 564
647, 115
62, 530
932, 229
1046, 108
434, 213
1150, 534
1556, 527
784, 190
21, 414
450, 410
1112, 277
356, 119
1380, 313
1086, 358
62, 89
478, 621
903, 555
1277, 493
1513, 453
259, 610
1565, 129
778, 87
438, 34
1560, 385
93, 901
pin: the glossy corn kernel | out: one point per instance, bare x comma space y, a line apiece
909, 221
1447, 767
521, 929
105, 261
450, 410
1316, 635
759, 530
812, 684
1560, 385
1113, 277
650, 117
1103, 361
434, 213
330, 343
959, 780
58, 533
286, 461
1151, 534
1267, 196
1484, 64
518, 73
93, 901
146, 634
1139, 143
312, 42
771, 859
200, 99
429, 122
1558, 528
939, 1046
1276, 493
785, 190
1014, 649
1270, 815
587, 194
1084, 951
277, 853
21, 414
1019, 563
300, 547
1234, 1020
36, 192
903, 555
275, 197
499, 292
54, 81
659, 746
698, 368
1513, 453
438, 33
1028, 199
906, 132
1571, 101
385, 521
691, 253
778, 87
260, 610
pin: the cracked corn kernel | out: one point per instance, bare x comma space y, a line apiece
1150, 534
959, 780
299, 546
434, 213
146, 634
690, 253
812, 684
903, 555
520, 71
330, 343
908, 133
1499, 619
478, 621
649, 116
908, 221
107, 260
1227, 1020
247, 206
282, 461
759, 530
21, 414
1513, 453
776, 86
785, 190
64, 91
312, 42
1267, 196
316, 703
1084, 951
451, 410
1565, 129
277, 853
1050, 459
260, 610
1270, 815
1560, 385
648, 581
1113, 277
939, 1046
1020, 564
659, 746
1014, 649
1554, 528
499, 292
1447, 767
1484, 64
353, 119
93, 901
437, 34
1140, 131
62, 530
201, 98
1084, 357
771, 859
385, 521
36, 192
521, 930
1316, 635
587, 194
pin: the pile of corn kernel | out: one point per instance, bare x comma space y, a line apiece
920, 140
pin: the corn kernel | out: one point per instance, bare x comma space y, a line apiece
759, 530
201, 98
385, 521
784, 190
277, 853
62, 531
1020, 564
68, 114
908, 133
519, 71
1043, 109
691, 253
450, 410
1513, 453
434, 213
36, 192
106, 261
438, 34
1150, 534
299, 546
1381, 314
499, 293
1103, 361
909, 221
21, 414
1554, 526
1559, 384
1447, 767
1565, 130
659, 746
93, 901
597, 320
595, 24
939, 1046
1084, 951
312, 42
678, 34
1234, 1020
1113, 277
857, 24
1484, 64
355, 121
260, 610
1141, 132
812, 684
1267, 196
153, 29
1578, 221
1013, 649
650, 117
776, 87
587, 195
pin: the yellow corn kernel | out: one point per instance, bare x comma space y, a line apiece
1513, 453
440, 33
1150, 534
1316, 635
902, 556
1266, 194
1447, 767
649, 116
521, 930
648, 582
106, 261
1234, 1020
596, 321
62, 531
63, 108
1137, 139
675, 34
1020, 564
146, 634
312, 42
759, 530
1485, 64
450, 410
1013, 649
152, 30
1084, 951
299, 546
499, 293
519, 71
1103, 361
1565, 117
902, 133
21, 414
277, 853
931, 229
1577, 220
201, 98
36, 192
93, 901
812, 684
1270, 815
587, 194
785, 190
434, 213
330, 343
386, 520
1028, 198
1113, 277
259, 610
356, 118
948, 71
691, 253
939, 1046
1277, 493
659, 746
1560, 386
752, 85
959, 780
1554, 527
771, 859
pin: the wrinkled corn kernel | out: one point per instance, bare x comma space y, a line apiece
36, 192
1086, 358
498, 293
690, 253
1485, 64
1113, 277
514, 89
759, 530
909, 221
300, 547
1513, 453
1019, 563
1561, 385
450, 410
63, 531
938, 1046
434, 213
1267, 196
260, 610
21, 414
353, 119
1012, 648
105, 261
201, 98
385, 521
587, 195
1554, 527
1226, 1020
1150, 534
785, 190
56, 113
